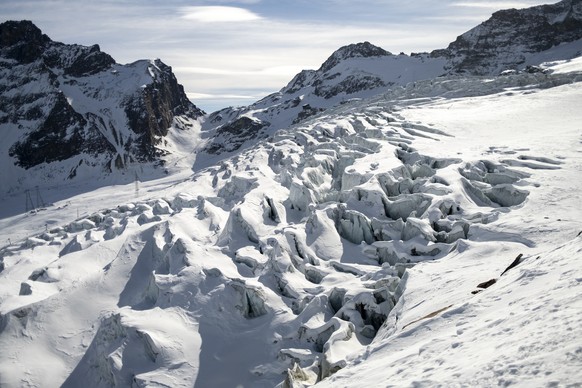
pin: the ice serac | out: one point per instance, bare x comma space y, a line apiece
65, 102
342, 250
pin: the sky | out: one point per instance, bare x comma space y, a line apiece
234, 52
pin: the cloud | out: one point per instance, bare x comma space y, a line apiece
492, 4
207, 70
282, 70
212, 14
456, 19
207, 96
237, 1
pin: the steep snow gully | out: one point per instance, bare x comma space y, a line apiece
281, 265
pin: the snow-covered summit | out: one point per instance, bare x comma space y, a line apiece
360, 69
512, 39
70, 110
355, 71
357, 50
509, 40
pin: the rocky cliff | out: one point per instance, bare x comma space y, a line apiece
61, 102
512, 38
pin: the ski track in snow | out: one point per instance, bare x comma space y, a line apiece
342, 251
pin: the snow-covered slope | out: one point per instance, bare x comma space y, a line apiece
513, 39
341, 251
354, 71
524, 329
69, 112
509, 40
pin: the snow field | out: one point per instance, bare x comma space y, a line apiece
342, 251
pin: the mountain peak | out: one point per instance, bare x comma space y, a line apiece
14, 32
22, 40
356, 50
65, 105
506, 39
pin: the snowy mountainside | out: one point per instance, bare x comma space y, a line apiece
355, 71
70, 111
513, 39
350, 239
509, 40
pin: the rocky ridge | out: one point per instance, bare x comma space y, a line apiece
510, 40
61, 102
511, 37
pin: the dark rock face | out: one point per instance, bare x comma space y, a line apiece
90, 60
232, 135
22, 41
62, 134
151, 113
66, 100
350, 85
306, 112
25, 43
300, 81
504, 41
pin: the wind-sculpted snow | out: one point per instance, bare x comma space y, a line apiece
278, 265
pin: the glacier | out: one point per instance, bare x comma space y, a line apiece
341, 251
384, 220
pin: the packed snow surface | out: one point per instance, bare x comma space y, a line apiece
366, 246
